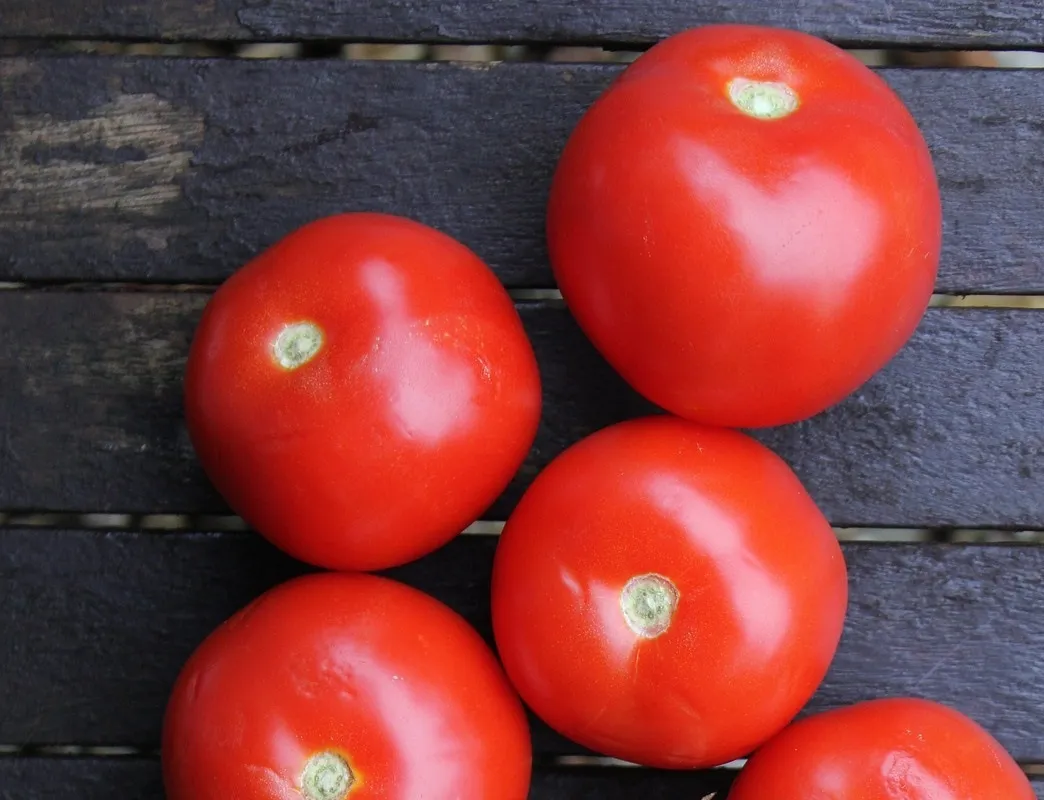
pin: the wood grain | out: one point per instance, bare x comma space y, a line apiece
950, 433
102, 622
960, 23
122, 169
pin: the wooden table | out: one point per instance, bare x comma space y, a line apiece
130, 186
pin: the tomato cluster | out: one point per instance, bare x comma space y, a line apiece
747, 225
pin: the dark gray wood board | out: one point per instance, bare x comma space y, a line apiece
140, 779
101, 623
123, 169
950, 433
38, 778
958, 24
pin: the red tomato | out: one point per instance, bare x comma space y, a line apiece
362, 391
345, 681
890, 749
746, 224
667, 593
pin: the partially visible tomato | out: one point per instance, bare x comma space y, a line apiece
362, 391
746, 224
668, 593
890, 749
345, 685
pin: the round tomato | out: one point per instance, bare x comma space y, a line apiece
340, 685
668, 593
362, 391
891, 748
746, 224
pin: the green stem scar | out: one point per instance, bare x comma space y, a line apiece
648, 603
763, 99
297, 344
326, 776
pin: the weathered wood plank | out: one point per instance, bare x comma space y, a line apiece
101, 622
181, 170
44, 778
140, 779
84, 778
960, 23
950, 433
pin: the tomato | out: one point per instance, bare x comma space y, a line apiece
667, 593
361, 391
746, 224
884, 749
339, 685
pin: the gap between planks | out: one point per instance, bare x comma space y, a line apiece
1034, 301
183, 523
479, 52
1023, 301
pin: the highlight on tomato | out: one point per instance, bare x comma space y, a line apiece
345, 685
904, 747
668, 593
361, 391
746, 224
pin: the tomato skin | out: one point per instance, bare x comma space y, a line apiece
381, 673
418, 408
884, 749
741, 271
760, 576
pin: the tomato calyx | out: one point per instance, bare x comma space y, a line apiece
765, 100
326, 776
648, 603
297, 344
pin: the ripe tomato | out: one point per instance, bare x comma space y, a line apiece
362, 391
746, 224
342, 685
883, 749
667, 593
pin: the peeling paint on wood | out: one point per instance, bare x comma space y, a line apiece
126, 156
182, 169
